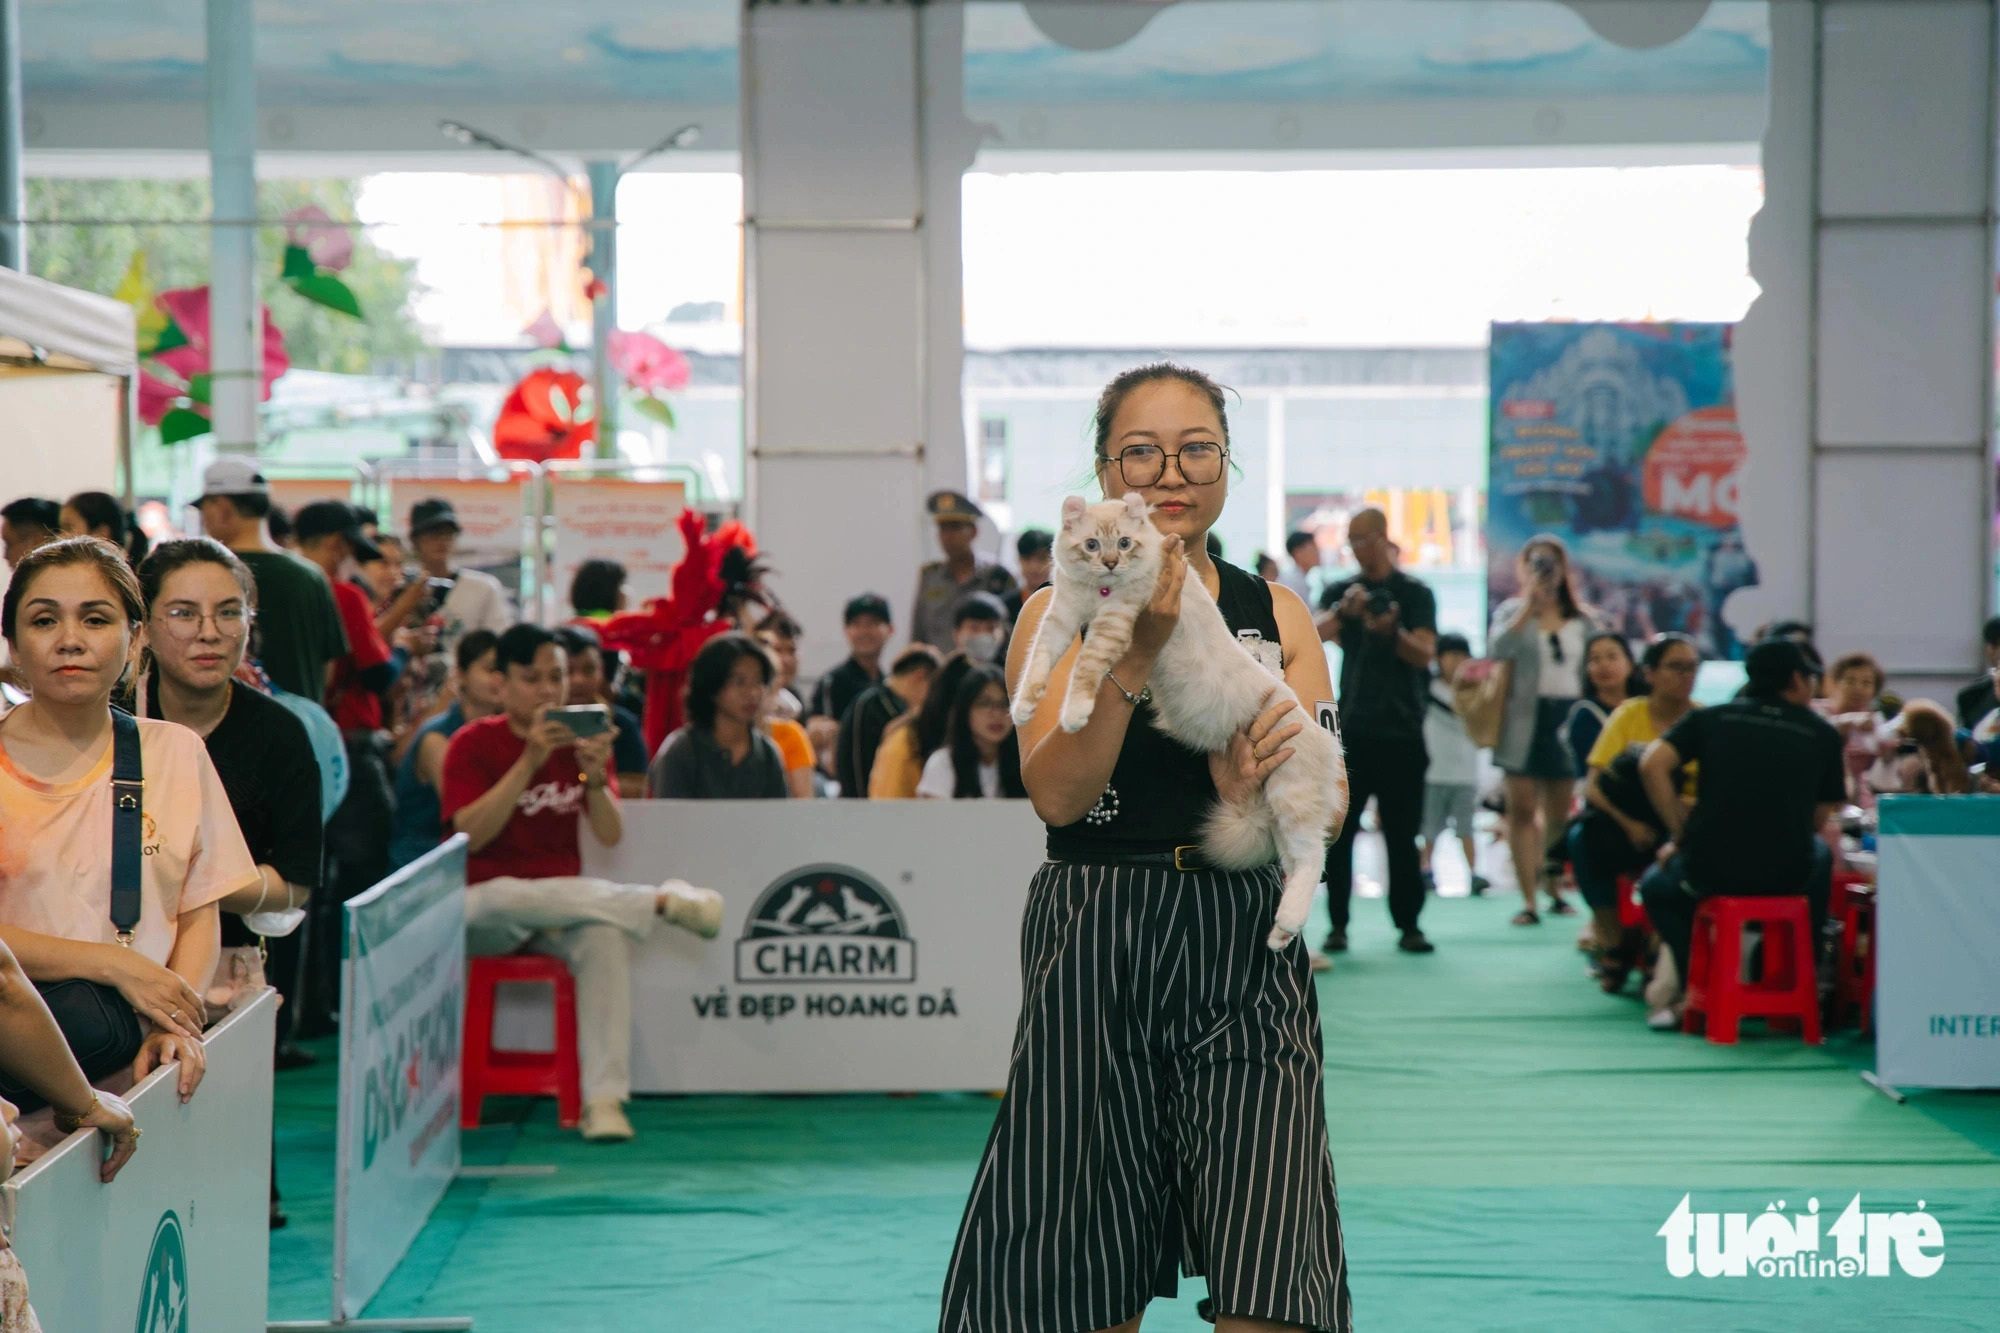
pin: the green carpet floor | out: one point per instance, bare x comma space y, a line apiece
1507, 1140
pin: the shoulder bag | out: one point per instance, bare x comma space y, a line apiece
102, 1029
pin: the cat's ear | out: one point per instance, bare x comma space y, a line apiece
1072, 511
1134, 506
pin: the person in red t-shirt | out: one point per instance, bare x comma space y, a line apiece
518, 785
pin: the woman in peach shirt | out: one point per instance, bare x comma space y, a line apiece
70, 617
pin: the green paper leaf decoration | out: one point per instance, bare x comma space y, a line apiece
298, 264
198, 388
183, 423
170, 338
656, 408
329, 291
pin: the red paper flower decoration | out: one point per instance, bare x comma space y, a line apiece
543, 418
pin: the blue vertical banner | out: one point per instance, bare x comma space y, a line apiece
1622, 440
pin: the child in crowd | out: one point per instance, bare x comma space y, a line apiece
1451, 783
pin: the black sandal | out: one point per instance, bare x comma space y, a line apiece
1525, 917
1561, 907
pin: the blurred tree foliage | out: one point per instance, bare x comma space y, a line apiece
95, 259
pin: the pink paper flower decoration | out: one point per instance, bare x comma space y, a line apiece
188, 308
646, 363
545, 331
155, 397
330, 244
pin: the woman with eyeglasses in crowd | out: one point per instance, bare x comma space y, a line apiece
200, 606
71, 616
980, 756
1541, 634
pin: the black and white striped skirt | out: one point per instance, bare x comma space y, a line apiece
1164, 1110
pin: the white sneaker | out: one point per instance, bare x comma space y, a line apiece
698, 910
1665, 1020
604, 1121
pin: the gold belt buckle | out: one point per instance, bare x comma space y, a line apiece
1185, 847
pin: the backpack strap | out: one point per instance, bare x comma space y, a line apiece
128, 786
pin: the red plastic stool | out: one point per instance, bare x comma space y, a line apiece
1631, 912
487, 1071
1854, 979
1716, 991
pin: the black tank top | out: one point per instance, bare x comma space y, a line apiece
1160, 789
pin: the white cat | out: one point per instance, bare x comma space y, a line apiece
1206, 686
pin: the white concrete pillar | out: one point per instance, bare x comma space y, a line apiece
853, 144
1866, 367
235, 320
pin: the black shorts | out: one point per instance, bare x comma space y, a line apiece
1164, 1111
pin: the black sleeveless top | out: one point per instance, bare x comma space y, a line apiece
1160, 790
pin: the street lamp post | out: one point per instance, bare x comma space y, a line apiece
603, 175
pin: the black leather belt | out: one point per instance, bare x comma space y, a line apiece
1188, 856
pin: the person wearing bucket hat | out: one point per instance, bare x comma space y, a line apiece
942, 584
475, 599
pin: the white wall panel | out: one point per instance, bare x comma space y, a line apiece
1904, 88
835, 526
837, 326
1899, 558
1901, 334
834, 102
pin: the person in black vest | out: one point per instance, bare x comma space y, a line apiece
1166, 1056
1982, 696
1386, 625
1771, 776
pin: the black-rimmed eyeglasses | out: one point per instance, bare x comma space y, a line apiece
1142, 465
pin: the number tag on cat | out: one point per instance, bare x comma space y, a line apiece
1328, 717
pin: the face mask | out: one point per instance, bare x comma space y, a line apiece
271, 925
982, 647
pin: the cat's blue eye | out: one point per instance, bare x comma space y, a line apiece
1124, 543
1090, 544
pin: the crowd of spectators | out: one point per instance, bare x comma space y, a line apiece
315, 700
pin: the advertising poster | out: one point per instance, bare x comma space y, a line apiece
614, 518
292, 494
1622, 440
492, 525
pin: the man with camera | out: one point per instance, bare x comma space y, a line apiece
1386, 625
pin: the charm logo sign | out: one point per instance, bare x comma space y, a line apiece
163, 1290
826, 924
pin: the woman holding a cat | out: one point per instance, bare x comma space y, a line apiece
1165, 1109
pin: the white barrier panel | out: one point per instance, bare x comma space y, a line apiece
1937, 927
402, 1001
181, 1241
615, 518
866, 945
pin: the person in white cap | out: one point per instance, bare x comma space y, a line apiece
298, 624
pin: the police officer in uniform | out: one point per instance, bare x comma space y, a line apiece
942, 583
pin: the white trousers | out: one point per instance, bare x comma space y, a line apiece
590, 924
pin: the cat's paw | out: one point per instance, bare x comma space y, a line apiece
1076, 715
1280, 938
1024, 707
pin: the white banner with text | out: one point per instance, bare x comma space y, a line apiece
402, 1001
1937, 927
866, 945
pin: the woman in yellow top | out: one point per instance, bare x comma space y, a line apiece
909, 740
1619, 831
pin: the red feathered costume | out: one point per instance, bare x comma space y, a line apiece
663, 637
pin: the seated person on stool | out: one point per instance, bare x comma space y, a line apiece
518, 786
1771, 776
